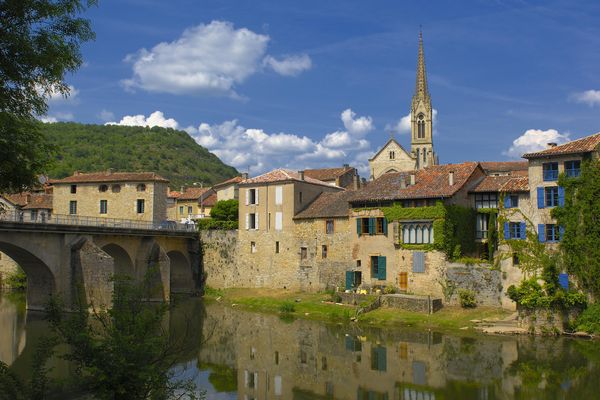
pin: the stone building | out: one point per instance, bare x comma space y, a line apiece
346, 176
230, 188
193, 203
392, 157
140, 196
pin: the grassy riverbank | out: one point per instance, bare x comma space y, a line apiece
317, 306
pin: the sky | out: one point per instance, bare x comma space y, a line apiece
310, 84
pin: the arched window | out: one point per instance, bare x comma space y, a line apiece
103, 188
413, 236
418, 158
421, 127
424, 156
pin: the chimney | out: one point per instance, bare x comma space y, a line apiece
412, 178
355, 181
28, 198
301, 173
244, 175
346, 166
551, 145
402, 182
451, 178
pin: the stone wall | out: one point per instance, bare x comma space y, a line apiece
481, 279
220, 259
422, 304
547, 321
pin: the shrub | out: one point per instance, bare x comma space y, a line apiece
17, 280
589, 320
389, 290
212, 224
225, 210
287, 307
467, 298
336, 297
530, 294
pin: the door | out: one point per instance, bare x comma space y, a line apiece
403, 281
349, 280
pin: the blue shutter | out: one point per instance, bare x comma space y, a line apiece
541, 233
561, 196
563, 280
506, 200
418, 261
561, 232
349, 280
385, 226
381, 264
522, 229
506, 231
540, 197
358, 226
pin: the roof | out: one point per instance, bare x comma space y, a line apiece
192, 193
18, 199
503, 183
327, 174
328, 204
108, 176
283, 175
173, 194
583, 145
210, 200
431, 182
385, 145
235, 179
504, 166
516, 184
39, 201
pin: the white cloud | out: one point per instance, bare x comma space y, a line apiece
589, 97
356, 126
535, 140
404, 124
157, 118
106, 115
48, 119
207, 59
57, 117
54, 97
290, 65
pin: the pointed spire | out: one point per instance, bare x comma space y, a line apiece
421, 89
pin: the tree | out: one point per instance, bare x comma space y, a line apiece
39, 44
580, 219
225, 210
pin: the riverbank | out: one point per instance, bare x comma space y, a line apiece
318, 306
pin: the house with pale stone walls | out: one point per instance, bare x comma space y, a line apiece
346, 177
193, 203
229, 189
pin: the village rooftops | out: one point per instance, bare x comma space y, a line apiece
282, 176
502, 183
210, 201
17, 199
435, 182
109, 176
193, 193
39, 201
232, 181
327, 205
504, 167
587, 144
328, 174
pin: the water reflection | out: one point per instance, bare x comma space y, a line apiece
239, 355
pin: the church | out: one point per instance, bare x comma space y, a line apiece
392, 157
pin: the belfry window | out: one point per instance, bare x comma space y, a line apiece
421, 127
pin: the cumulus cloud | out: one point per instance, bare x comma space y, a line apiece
535, 140
211, 58
356, 126
53, 96
290, 65
589, 97
157, 118
57, 117
404, 124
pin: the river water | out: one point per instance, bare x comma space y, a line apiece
248, 356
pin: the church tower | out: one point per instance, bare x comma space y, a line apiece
421, 117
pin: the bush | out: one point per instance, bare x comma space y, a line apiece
389, 290
336, 297
467, 298
225, 210
530, 294
212, 224
589, 320
17, 280
287, 308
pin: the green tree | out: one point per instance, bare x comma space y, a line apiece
580, 219
225, 210
40, 43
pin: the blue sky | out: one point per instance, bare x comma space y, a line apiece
267, 84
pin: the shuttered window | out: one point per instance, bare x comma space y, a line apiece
278, 221
378, 267
418, 261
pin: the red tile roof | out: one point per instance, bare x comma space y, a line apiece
327, 174
503, 166
235, 179
173, 194
503, 183
583, 145
283, 175
431, 182
39, 201
516, 184
192, 193
327, 205
107, 176
210, 201
18, 199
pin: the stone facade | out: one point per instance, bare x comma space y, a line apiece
483, 280
391, 158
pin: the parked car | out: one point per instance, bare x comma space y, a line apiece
168, 225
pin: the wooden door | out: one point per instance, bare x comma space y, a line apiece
403, 281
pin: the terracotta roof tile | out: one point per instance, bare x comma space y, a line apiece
503, 166
235, 179
18, 199
107, 176
516, 184
210, 201
192, 193
583, 145
39, 201
503, 183
327, 205
327, 174
173, 194
283, 175
431, 182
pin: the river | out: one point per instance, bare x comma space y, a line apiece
241, 355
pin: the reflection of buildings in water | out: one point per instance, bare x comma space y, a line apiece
12, 340
307, 360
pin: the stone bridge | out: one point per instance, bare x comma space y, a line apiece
72, 259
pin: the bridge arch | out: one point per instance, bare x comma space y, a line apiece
123, 263
181, 277
41, 283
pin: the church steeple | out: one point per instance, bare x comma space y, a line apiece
422, 116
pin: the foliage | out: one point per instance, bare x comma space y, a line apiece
17, 280
470, 261
492, 236
225, 210
459, 229
389, 289
212, 292
222, 378
589, 320
40, 43
467, 298
205, 224
530, 294
122, 352
398, 213
580, 218
287, 307
170, 153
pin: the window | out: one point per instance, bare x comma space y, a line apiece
278, 221
515, 259
73, 189
277, 383
324, 363
276, 247
482, 226
392, 155
116, 188
418, 261
33, 215
421, 127
329, 226
190, 210
551, 196
300, 197
303, 253
572, 168
141, 187
324, 251
511, 201
486, 200
181, 210
276, 358
353, 279
417, 233
140, 206
514, 230
72, 207
252, 247
102, 188
378, 267
278, 195
552, 234
378, 358
252, 196
252, 221
103, 206
371, 226
550, 171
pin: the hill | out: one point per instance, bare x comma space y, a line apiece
170, 153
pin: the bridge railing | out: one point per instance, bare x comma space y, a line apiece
27, 217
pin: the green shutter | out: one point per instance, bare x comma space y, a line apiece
349, 280
371, 226
358, 225
385, 226
382, 359
381, 266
